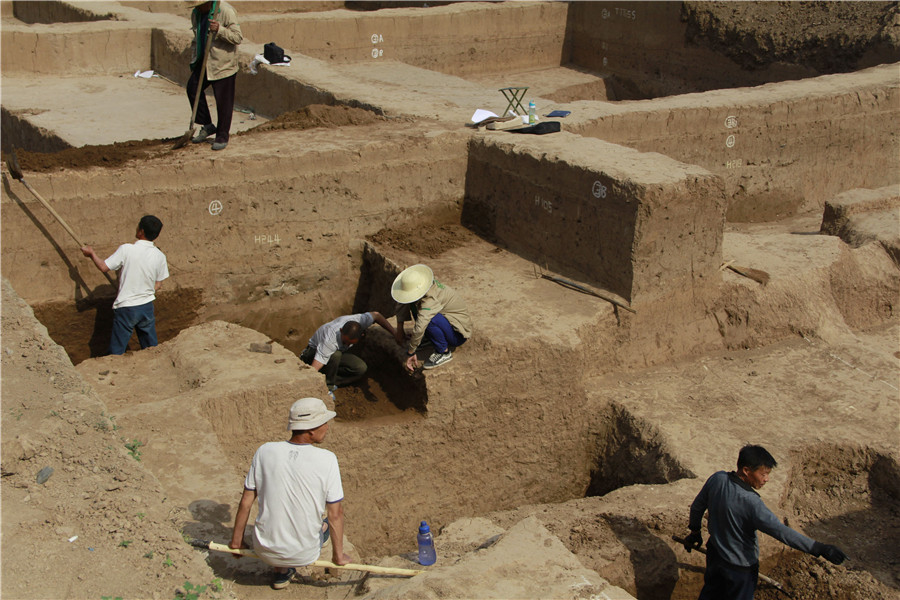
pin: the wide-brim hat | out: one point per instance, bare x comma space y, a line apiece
309, 413
195, 3
412, 283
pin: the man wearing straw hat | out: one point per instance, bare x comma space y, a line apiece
296, 483
215, 21
438, 314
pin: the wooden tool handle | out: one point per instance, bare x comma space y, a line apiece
323, 563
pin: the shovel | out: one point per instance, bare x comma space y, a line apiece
190, 132
319, 563
12, 163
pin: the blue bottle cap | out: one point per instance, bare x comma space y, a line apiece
423, 528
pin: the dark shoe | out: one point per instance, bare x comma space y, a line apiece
282, 580
205, 132
436, 360
219, 145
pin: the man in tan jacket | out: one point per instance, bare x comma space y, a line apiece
438, 314
216, 21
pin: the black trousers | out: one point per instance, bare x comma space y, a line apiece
223, 90
723, 581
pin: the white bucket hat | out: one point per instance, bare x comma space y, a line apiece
412, 283
309, 413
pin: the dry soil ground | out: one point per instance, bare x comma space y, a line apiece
151, 448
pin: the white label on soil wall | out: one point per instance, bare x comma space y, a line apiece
730, 122
266, 238
545, 204
729, 141
377, 38
215, 207
599, 190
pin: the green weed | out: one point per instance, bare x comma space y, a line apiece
149, 554
134, 449
194, 592
125, 543
191, 591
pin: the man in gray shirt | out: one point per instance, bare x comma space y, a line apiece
327, 348
736, 513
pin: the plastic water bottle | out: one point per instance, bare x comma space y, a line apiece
532, 117
427, 555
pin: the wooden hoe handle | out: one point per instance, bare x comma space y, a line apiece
319, 563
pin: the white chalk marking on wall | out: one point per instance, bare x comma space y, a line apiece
626, 14
605, 61
266, 238
729, 141
605, 14
377, 38
734, 164
730, 122
599, 190
215, 207
545, 204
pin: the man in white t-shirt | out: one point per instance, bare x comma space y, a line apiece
142, 268
296, 483
327, 348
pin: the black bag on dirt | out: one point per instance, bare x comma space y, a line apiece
275, 54
539, 129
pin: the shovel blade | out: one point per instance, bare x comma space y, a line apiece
183, 140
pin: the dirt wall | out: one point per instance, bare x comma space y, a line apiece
284, 235
241, 6
643, 45
459, 39
780, 148
18, 132
657, 49
632, 223
57, 12
77, 49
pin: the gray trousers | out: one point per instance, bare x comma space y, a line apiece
342, 368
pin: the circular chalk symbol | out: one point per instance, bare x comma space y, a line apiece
599, 190
604, 13
729, 141
730, 122
374, 38
215, 207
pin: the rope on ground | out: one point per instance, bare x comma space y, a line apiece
839, 359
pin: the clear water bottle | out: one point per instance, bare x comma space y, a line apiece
532, 109
427, 555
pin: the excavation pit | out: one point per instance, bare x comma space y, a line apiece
642, 201
632, 452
